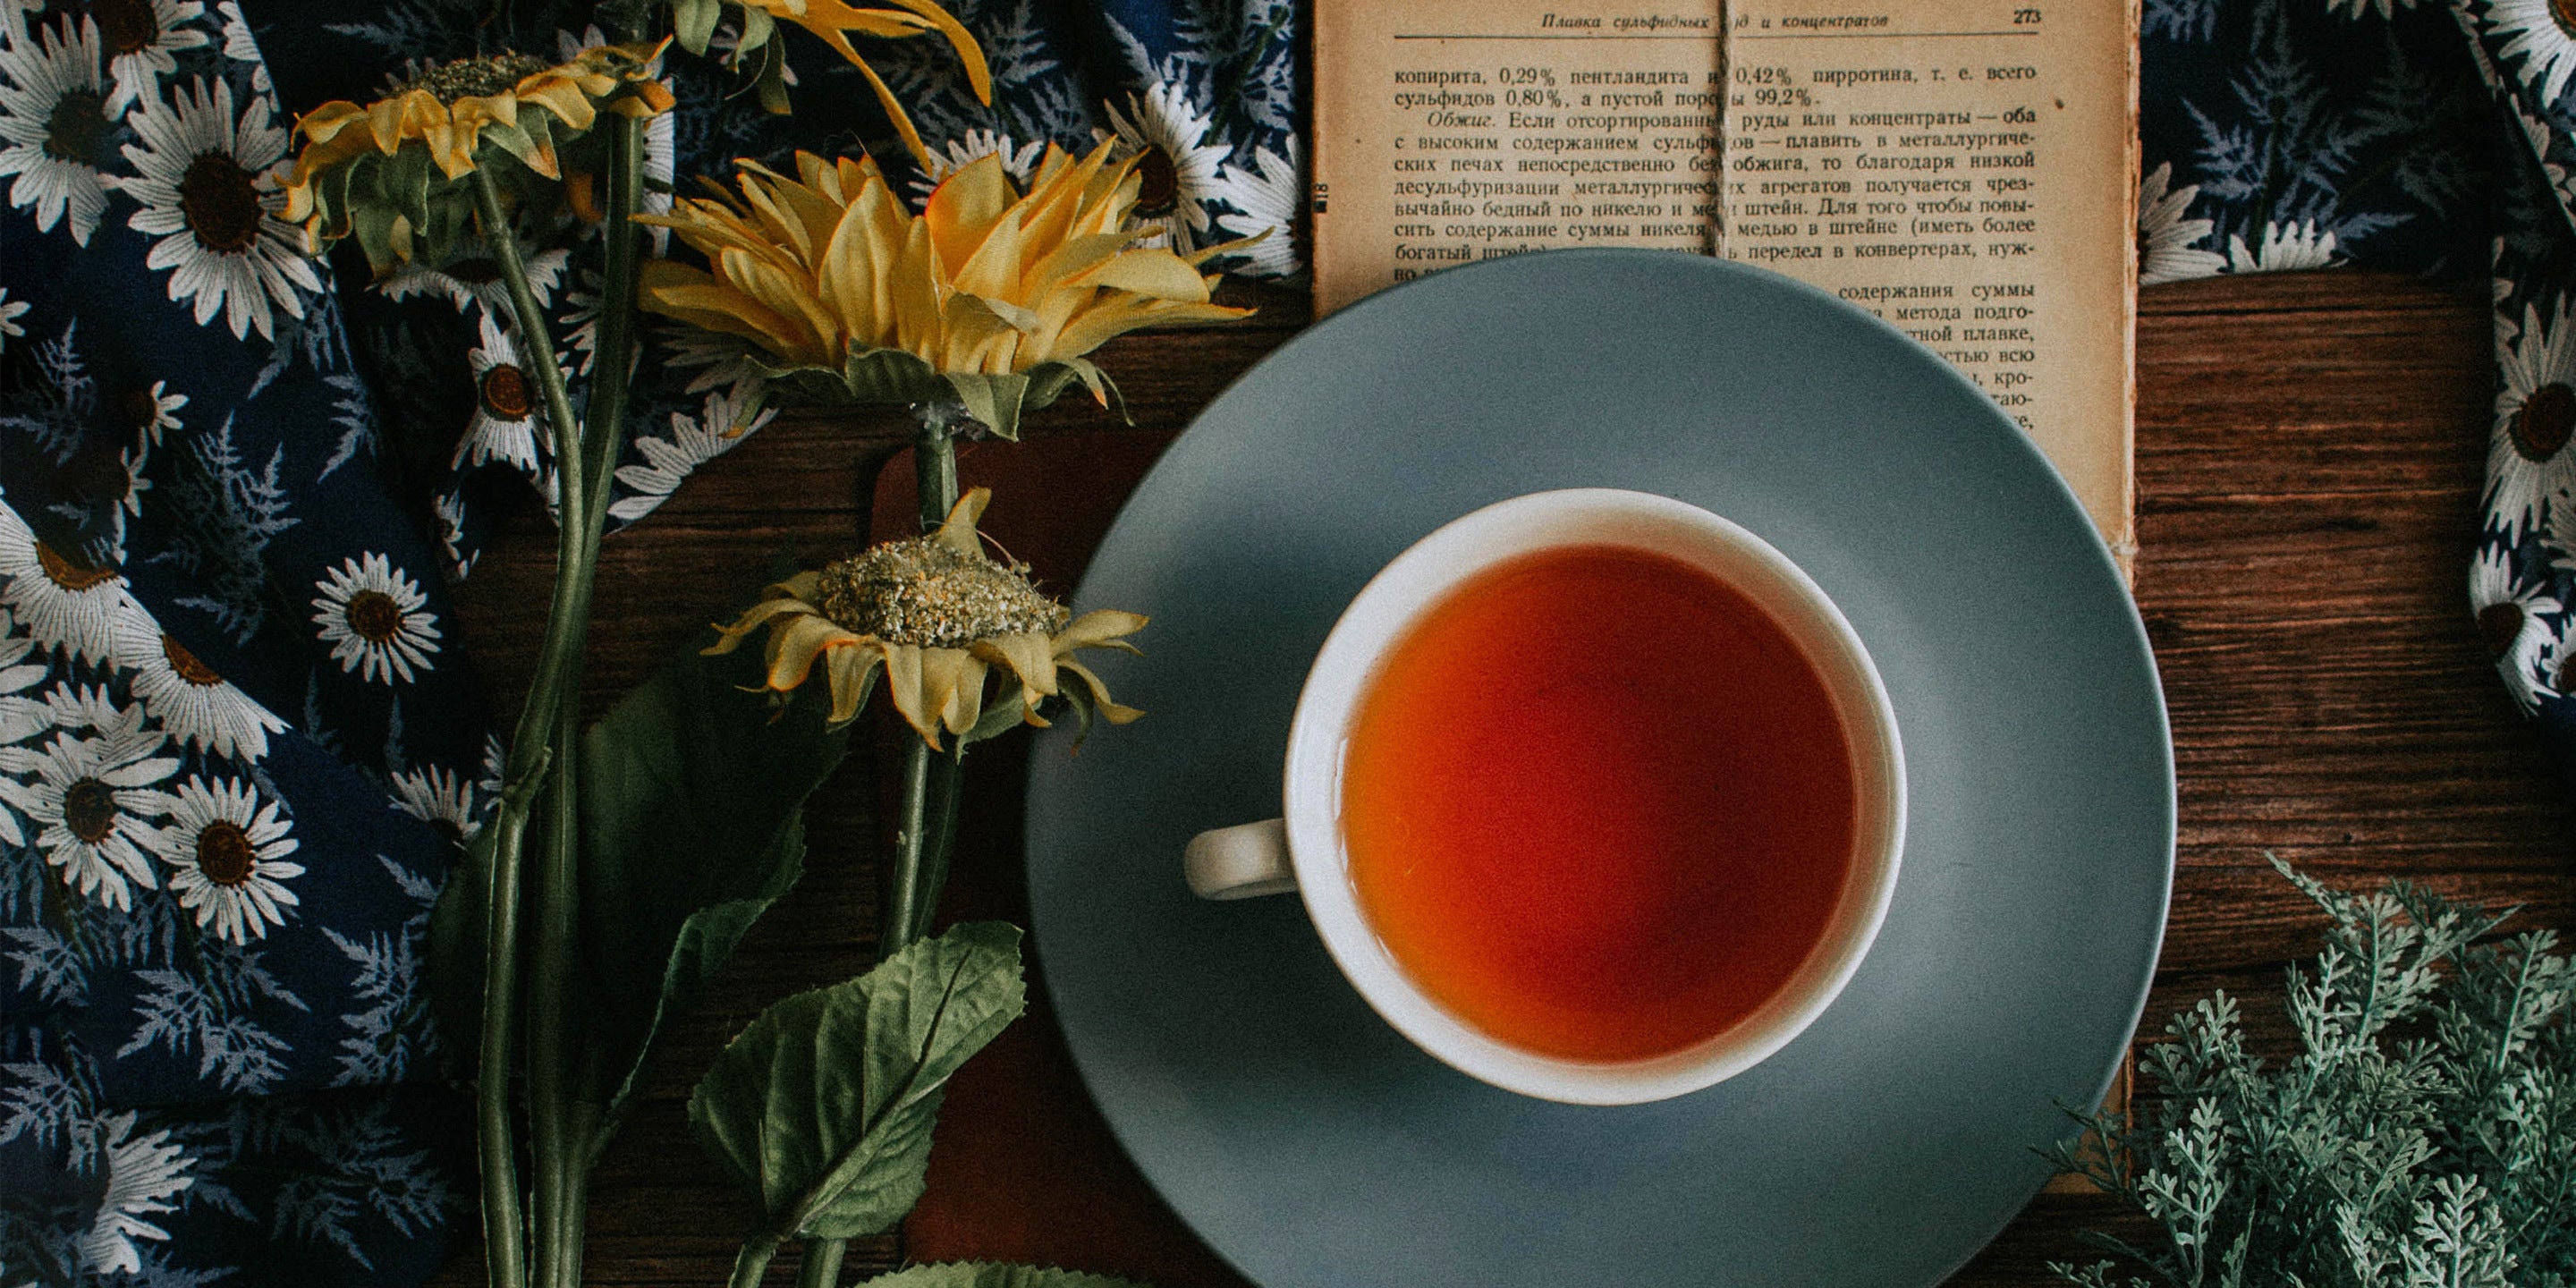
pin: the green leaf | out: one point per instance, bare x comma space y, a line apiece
693, 793
987, 1274
694, 23
998, 719
993, 399
456, 936
824, 1105
888, 376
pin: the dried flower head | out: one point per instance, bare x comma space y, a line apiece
929, 593
364, 170
940, 617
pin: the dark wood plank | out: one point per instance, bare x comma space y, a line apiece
2309, 452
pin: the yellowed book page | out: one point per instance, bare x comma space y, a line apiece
1966, 170
1449, 131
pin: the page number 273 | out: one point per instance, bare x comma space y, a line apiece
2025, 17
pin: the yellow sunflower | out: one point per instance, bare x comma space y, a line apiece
833, 21
364, 169
994, 292
939, 617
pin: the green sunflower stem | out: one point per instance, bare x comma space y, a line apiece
532, 753
559, 1149
821, 1267
926, 827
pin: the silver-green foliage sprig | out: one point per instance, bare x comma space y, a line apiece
2424, 1136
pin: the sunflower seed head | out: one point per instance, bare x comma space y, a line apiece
472, 77
922, 593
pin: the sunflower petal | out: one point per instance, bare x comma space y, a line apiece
957, 531
1109, 711
1100, 628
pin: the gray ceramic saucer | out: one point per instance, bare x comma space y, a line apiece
1314, 1147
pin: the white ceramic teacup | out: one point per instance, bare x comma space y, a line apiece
1304, 851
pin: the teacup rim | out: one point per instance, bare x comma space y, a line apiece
1314, 759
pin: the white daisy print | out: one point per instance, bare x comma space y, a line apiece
508, 423
63, 600
143, 1174
371, 614
2510, 619
57, 131
10, 311
152, 412
2169, 246
2528, 460
2285, 248
1178, 175
21, 669
471, 278
241, 46
197, 706
227, 852
444, 799
694, 441
202, 177
1266, 200
143, 38
92, 802
108, 480
724, 361
2552, 673
449, 507
1019, 160
2540, 40
20, 717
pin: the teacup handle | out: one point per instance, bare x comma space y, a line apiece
1240, 862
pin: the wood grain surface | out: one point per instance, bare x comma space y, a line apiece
2309, 454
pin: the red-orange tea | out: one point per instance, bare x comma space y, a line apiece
1598, 804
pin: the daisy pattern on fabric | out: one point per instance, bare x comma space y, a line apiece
227, 853
372, 615
202, 178
241, 46
152, 412
449, 509
1019, 160
2539, 39
2511, 615
1178, 176
694, 441
442, 798
507, 423
2169, 246
10, 311
2285, 248
143, 1174
92, 801
471, 278
57, 132
1266, 199
143, 38
63, 600
197, 707
20, 717
2528, 460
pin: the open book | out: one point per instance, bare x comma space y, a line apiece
1964, 169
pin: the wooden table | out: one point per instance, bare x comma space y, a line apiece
2309, 455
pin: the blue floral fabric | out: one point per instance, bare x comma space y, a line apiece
239, 749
